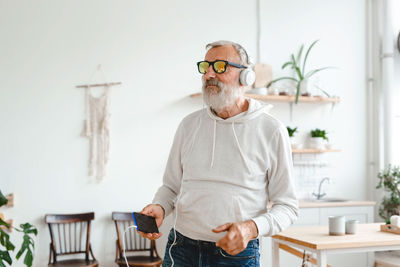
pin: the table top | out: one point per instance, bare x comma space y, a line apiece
317, 237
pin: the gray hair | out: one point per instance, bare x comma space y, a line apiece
244, 58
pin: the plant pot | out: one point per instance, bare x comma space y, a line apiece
297, 146
273, 91
328, 146
304, 88
258, 91
317, 143
293, 143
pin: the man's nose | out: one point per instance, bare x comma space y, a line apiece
210, 73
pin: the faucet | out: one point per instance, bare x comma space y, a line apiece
319, 195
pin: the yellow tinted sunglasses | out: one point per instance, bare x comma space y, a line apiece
219, 66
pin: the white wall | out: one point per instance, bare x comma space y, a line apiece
340, 27
396, 121
396, 87
48, 47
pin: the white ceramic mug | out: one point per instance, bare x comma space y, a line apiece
395, 220
351, 227
337, 225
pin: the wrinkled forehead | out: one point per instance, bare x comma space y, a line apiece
226, 52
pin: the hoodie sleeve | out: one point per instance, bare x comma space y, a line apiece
167, 193
280, 187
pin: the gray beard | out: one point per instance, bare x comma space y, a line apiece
218, 101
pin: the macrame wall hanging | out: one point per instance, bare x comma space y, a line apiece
97, 126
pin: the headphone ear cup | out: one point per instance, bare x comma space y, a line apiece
247, 77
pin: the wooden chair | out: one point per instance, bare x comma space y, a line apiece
142, 252
70, 234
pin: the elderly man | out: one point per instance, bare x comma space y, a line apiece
226, 163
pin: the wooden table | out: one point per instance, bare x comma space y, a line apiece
316, 239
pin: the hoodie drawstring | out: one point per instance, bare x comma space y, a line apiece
213, 147
240, 149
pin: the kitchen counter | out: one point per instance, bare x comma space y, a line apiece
304, 203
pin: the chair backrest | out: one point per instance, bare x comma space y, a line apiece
133, 241
70, 234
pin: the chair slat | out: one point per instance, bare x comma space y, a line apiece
65, 239
134, 237
59, 237
123, 234
142, 243
69, 234
75, 236
87, 247
131, 234
80, 238
127, 236
138, 241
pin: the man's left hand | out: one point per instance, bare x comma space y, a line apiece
238, 236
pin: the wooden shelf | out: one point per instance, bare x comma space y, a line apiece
291, 98
287, 98
313, 151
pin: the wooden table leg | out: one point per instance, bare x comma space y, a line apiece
275, 253
321, 258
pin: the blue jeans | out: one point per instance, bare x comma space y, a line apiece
196, 253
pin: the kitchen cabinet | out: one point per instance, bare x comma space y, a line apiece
318, 215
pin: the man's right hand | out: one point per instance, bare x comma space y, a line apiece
157, 212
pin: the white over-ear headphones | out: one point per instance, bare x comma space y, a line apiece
247, 76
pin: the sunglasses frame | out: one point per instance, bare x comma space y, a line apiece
211, 63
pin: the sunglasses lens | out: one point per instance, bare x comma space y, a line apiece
203, 66
219, 66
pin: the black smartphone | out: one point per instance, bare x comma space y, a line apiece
144, 223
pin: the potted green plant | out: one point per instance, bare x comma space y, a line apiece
389, 180
318, 138
27, 244
298, 64
291, 132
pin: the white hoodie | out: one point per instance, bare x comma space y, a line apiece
228, 171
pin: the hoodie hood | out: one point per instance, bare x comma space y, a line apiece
255, 109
